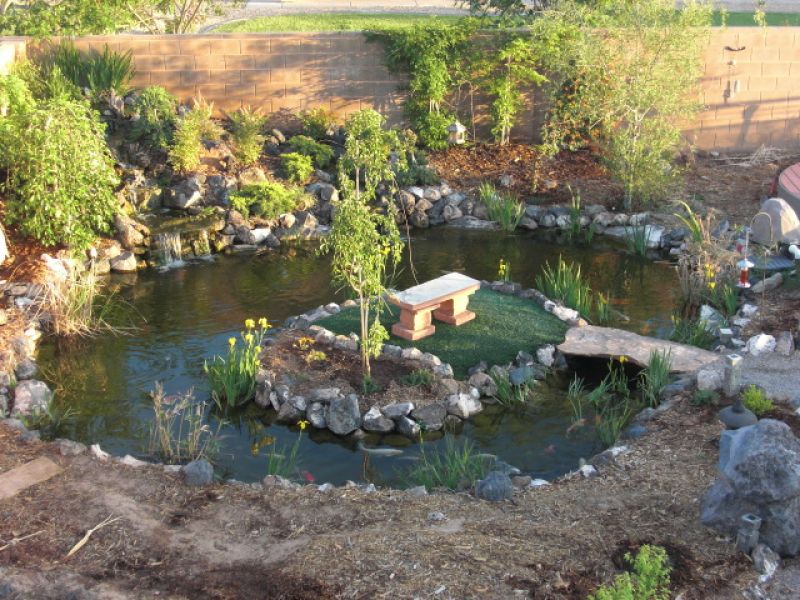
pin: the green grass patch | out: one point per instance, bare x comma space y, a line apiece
745, 19
334, 22
504, 325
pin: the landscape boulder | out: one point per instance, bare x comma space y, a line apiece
430, 417
375, 421
760, 474
343, 415
776, 222
198, 473
495, 487
31, 396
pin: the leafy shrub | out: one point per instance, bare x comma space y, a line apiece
194, 127
297, 167
454, 466
246, 128
15, 95
77, 17
233, 378
318, 123
417, 175
756, 400
321, 154
565, 284
155, 108
705, 398
649, 579
60, 173
417, 377
269, 200
179, 432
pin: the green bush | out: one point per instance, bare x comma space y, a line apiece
60, 173
269, 200
15, 96
297, 167
756, 400
246, 128
155, 108
75, 17
649, 579
321, 154
187, 145
318, 123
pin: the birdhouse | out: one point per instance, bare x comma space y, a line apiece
456, 133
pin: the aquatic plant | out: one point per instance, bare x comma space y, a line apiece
508, 394
233, 378
575, 395
52, 421
564, 283
636, 238
692, 331
179, 432
655, 377
756, 400
504, 271
602, 307
505, 209
283, 463
455, 466
699, 231
648, 579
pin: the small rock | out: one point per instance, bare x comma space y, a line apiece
26, 369
484, 384
710, 378
411, 353
124, 263
463, 405
131, 461
97, 452
546, 355
31, 396
784, 344
495, 487
326, 487
325, 395
407, 427
430, 417
288, 414
69, 447
397, 409
767, 285
198, 473
748, 310
316, 415
436, 516
539, 483
765, 560
375, 421
760, 344
417, 491
521, 481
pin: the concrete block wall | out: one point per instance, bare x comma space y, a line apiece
752, 102
11, 50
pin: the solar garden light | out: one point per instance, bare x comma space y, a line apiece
736, 415
747, 534
456, 134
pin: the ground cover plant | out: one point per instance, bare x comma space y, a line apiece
155, 108
297, 167
648, 578
504, 325
756, 400
269, 199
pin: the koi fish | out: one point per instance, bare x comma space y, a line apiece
308, 476
551, 449
379, 451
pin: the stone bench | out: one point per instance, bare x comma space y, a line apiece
444, 298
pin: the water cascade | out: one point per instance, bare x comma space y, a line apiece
168, 246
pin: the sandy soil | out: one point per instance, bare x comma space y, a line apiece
237, 542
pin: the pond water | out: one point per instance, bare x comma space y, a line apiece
186, 315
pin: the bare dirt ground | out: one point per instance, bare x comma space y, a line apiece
230, 541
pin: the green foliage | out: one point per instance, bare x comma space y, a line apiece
655, 377
649, 579
282, 461
246, 133
365, 243
698, 231
321, 154
155, 108
52, 421
503, 208
55, 200
692, 331
44, 18
636, 64
77, 304
504, 271
565, 284
318, 123
516, 66
269, 199
233, 377
705, 398
179, 432
756, 400
187, 142
297, 168
100, 72
417, 174
15, 95
176, 16
417, 377
455, 466
508, 394
602, 306
434, 56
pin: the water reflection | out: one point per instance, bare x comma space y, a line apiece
188, 314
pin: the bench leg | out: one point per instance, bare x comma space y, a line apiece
455, 311
414, 325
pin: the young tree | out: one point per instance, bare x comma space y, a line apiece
637, 64
365, 242
176, 16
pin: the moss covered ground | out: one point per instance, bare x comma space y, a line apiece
504, 325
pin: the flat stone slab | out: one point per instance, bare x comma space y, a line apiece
14, 481
433, 291
605, 342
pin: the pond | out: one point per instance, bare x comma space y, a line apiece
186, 316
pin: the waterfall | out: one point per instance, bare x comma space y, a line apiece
169, 249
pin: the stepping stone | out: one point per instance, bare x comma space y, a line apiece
605, 342
14, 481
